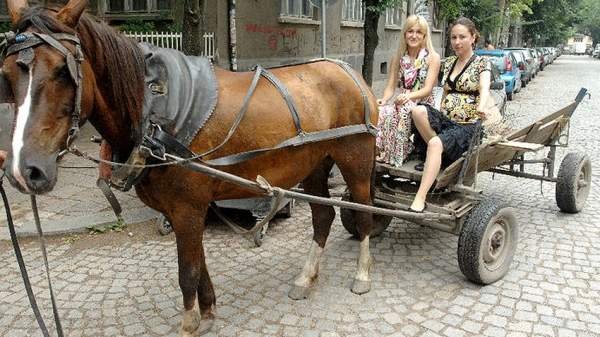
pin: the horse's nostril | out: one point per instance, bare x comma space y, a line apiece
35, 176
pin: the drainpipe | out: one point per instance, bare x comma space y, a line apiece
232, 35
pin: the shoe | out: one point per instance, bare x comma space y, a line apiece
410, 209
420, 167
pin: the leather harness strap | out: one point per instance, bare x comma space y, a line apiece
160, 143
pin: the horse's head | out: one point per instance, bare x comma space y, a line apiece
42, 74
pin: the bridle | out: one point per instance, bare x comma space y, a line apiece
25, 43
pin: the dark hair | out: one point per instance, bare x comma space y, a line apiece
470, 26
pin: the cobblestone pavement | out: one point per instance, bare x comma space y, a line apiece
127, 286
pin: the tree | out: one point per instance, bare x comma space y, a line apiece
193, 27
550, 22
374, 8
589, 20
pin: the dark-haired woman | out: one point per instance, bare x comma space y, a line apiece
445, 135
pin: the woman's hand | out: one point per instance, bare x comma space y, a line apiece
402, 99
2, 157
482, 115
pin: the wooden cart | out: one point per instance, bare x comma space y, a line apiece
487, 228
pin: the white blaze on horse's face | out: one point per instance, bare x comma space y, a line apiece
23, 112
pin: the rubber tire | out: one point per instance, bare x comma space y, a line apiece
568, 196
472, 238
509, 96
523, 84
380, 222
164, 225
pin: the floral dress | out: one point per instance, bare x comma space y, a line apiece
458, 121
394, 122
462, 99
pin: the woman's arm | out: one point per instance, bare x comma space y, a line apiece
484, 91
390, 88
432, 77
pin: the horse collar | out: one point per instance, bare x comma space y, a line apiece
24, 43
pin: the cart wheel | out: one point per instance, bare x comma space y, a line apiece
288, 210
164, 225
380, 222
487, 242
573, 182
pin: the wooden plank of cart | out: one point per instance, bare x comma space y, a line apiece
487, 228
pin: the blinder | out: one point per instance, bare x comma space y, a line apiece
24, 44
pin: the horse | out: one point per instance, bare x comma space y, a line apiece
110, 95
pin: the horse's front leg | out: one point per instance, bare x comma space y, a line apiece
194, 281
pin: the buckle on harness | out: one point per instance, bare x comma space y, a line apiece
151, 147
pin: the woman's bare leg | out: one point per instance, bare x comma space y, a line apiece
421, 119
433, 163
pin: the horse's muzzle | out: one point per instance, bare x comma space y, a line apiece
32, 175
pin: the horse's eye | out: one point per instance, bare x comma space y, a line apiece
23, 66
62, 73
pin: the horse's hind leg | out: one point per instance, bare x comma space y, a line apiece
356, 165
322, 217
194, 281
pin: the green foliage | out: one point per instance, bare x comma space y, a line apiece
589, 18
5, 26
118, 226
137, 25
379, 6
551, 22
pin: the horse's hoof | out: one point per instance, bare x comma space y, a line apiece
360, 287
203, 328
298, 293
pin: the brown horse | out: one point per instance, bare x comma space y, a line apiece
112, 89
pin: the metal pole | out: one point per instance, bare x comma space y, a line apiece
323, 28
261, 190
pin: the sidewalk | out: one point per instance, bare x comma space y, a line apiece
75, 203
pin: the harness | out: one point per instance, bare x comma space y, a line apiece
160, 145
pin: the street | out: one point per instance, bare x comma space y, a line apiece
125, 283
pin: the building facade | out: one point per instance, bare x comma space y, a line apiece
277, 32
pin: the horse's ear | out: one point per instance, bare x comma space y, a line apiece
70, 14
15, 9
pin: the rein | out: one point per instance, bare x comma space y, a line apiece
23, 268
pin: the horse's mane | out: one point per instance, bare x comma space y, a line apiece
116, 59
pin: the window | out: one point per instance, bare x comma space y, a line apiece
393, 17
297, 8
353, 10
3, 9
119, 6
163, 4
116, 5
138, 5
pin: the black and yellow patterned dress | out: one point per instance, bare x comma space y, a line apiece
458, 120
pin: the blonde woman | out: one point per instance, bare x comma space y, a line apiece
414, 71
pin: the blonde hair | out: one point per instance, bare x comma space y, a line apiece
411, 21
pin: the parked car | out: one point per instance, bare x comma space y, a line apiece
498, 90
526, 69
596, 52
542, 57
507, 68
536, 60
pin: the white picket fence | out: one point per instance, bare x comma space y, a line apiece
173, 40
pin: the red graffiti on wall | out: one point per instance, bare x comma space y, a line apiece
272, 33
